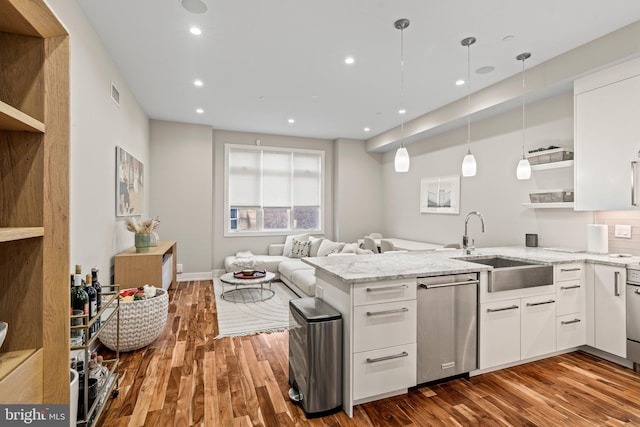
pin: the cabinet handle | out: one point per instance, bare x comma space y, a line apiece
533, 304
393, 356
378, 313
616, 283
568, 322
493, 310
633, 183
571, 269
387, 288
444, 285
569, 287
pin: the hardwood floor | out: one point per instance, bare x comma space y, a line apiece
186, 377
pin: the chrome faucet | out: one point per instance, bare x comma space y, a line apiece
465, 238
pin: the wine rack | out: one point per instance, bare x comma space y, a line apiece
89, 412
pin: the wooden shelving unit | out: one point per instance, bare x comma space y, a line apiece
34, 204
133, 269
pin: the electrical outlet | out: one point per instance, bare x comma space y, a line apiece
179, 268
623, 231
319, 292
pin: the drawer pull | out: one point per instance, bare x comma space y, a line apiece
493, 310
533, 304
444, 285
616, 283
569, 287
379, 313
383, 358
568, 322
570, 269
387, 288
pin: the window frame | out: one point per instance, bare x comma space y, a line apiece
228, 232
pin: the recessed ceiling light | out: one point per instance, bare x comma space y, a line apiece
199, 110
261, 98
291, 121
402, 111
485, 70
367, 129
194, 6
198, 83
349, 60
459, 82
195, 31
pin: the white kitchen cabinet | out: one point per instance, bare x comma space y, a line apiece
570, 319
570, 331
606, 110
538, 326
499, 333
610, 309
380, 371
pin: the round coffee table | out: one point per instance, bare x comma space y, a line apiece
246, 290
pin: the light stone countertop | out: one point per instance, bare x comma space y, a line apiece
402, 265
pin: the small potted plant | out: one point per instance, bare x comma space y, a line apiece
145, 234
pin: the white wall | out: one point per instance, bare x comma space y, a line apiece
223, 246
98, 125
357, 195
494, 191
182, 191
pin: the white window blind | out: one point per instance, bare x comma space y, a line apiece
273, 189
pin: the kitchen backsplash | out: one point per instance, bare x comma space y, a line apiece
618, 244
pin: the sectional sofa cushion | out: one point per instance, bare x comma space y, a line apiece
328, 247
315, 244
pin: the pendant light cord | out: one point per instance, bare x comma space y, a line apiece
523, 107
402, 87
469, 98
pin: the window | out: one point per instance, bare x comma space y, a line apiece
273, 190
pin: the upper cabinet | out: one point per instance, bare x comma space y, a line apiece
607, 138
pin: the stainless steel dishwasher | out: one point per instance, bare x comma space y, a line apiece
447, 326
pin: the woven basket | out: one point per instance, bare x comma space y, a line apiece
141, 322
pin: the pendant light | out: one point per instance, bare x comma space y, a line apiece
469, 165
524, 167
401, 161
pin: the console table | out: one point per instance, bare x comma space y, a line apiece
156, 267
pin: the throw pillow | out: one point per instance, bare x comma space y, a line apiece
288, 243
315, 244
300, 248
364, 252
349, 248
328, 247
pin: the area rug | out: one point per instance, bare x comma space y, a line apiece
240, 319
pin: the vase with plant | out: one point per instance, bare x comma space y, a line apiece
145, 234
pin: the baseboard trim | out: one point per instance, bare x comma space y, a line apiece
187, 277
218, 272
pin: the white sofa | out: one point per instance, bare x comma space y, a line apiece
295, 273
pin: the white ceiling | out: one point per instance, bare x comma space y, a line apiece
265, 61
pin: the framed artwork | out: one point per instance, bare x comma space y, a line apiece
440, 194
129, 184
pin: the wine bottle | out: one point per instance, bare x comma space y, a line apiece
79, 297
98, 287
93, 304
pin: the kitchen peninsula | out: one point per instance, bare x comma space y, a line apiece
376, 295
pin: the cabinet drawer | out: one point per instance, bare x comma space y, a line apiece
383, 371
569, 272
570, 331
384, 325
570, 297
387, 291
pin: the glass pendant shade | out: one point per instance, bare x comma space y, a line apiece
402, 160
469, 166
524, 169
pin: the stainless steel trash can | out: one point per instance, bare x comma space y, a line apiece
315, 356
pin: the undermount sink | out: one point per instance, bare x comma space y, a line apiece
509, 274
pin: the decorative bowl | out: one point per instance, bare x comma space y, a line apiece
3, 331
